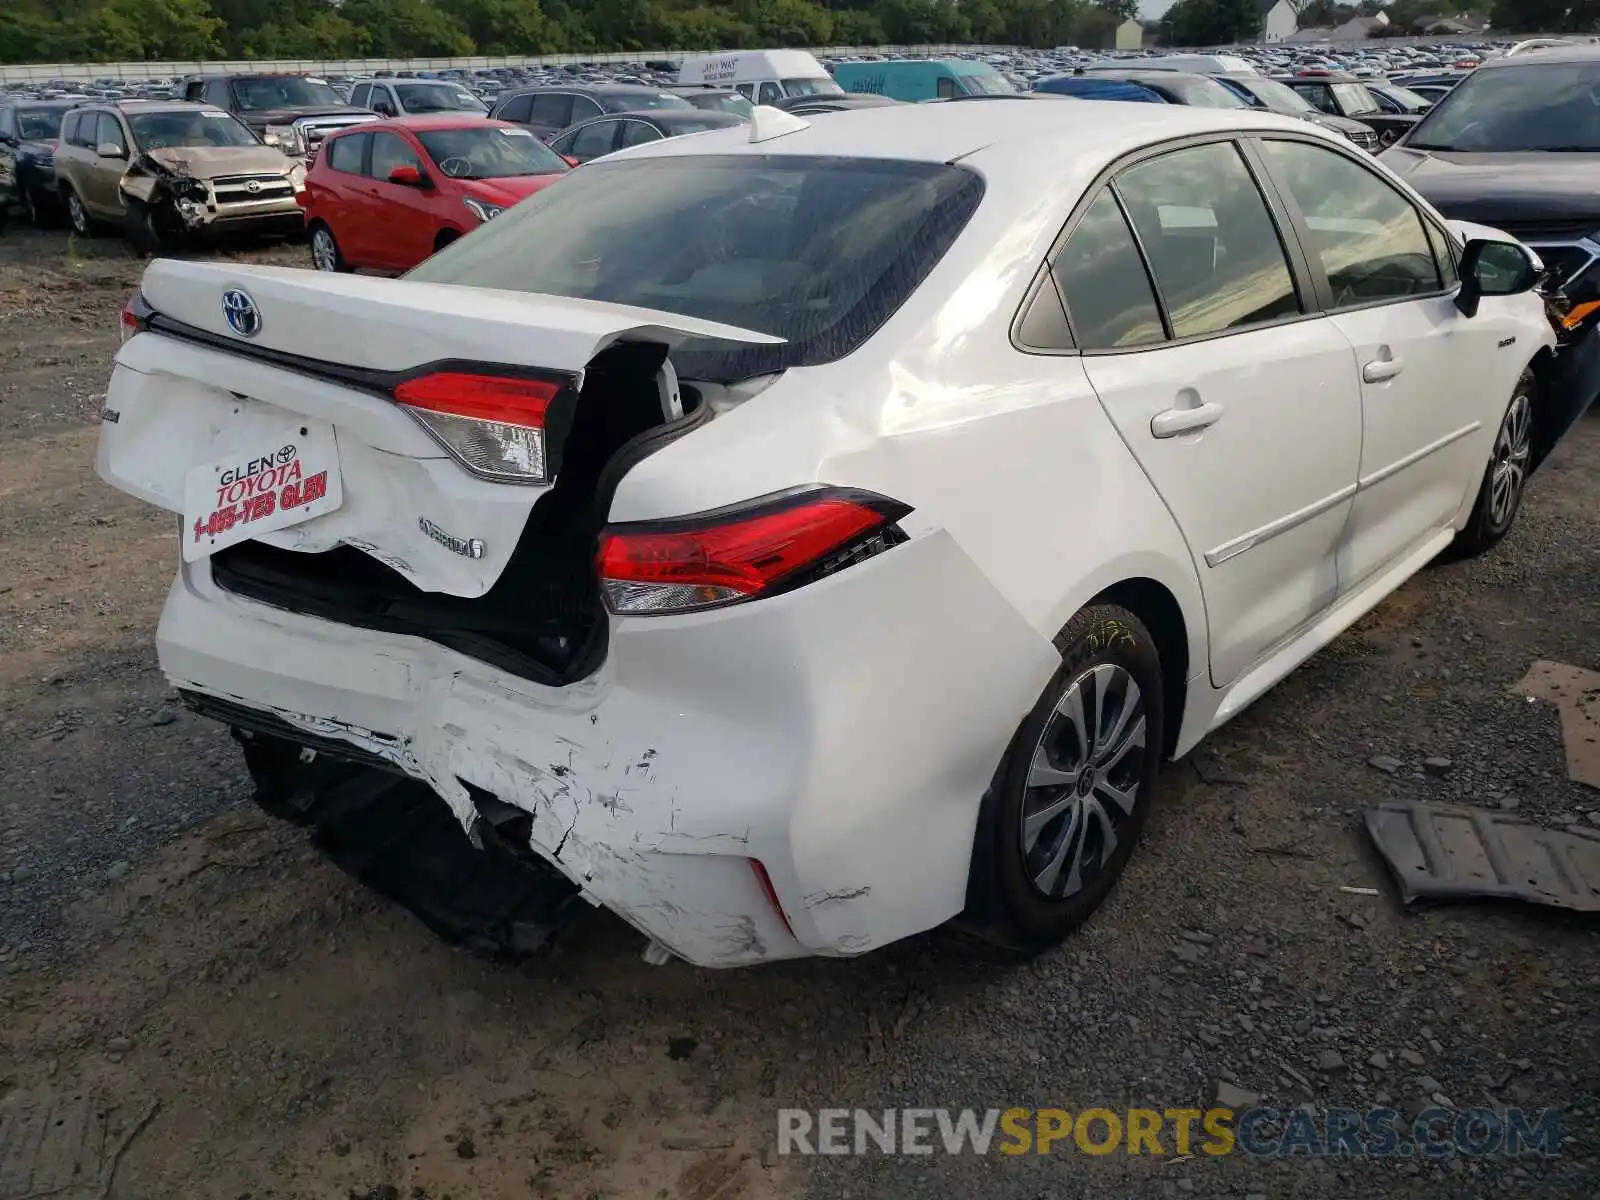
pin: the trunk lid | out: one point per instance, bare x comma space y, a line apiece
308, 379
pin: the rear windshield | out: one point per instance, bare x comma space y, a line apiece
39, 124
986, 83
818, 251
438, 98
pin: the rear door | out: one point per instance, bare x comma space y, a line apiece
551, 112
341, 197
1239, 403
1433, 382
593, 140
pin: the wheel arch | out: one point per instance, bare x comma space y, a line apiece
444, 237
1155, 605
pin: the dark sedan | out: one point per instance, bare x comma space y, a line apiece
546, 111
28, 134
592, 139
1273, 96
1147, 86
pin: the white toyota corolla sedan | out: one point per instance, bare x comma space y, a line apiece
796, 537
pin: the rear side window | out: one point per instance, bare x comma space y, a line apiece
1104, 284
1368, 237
818, 251
551, 108
515, 109
636, 133
358, 94
1209, 239
345, 153
593, 140
947, 87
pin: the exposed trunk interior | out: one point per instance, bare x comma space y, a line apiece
543, 618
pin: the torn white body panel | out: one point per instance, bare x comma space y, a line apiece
776, 732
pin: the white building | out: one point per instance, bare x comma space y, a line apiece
1130, 34
1279, 20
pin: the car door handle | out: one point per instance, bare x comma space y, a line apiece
1184, 420
1380, 369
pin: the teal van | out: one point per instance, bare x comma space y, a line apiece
914, 79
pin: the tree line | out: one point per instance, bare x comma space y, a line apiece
137, 30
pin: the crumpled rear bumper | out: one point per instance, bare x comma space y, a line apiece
841, 736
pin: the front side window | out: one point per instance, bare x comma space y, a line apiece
551, 108
1552, 107
987, 83
110, 133
1210, 241
1106, 290
1320, 98
947, 87
345, 153
1368, 237
769, 94
198, 127
818, 251
390, 152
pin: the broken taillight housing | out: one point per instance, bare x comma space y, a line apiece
654, 568
495, 426
136, 314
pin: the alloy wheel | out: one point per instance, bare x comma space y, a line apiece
1509, 471
1083, 781
79, 215
324, 253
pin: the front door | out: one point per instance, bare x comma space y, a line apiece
1433, 383
402, 230
103, 178
1243, 411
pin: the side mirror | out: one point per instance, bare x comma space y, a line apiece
408, 177
1495, 269
110, 150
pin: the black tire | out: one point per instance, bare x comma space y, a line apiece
147, 228
1505, 478
446, 236
1005, 904
325, 252
35, 206
83, 225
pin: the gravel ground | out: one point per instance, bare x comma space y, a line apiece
249, 1021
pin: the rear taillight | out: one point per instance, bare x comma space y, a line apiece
136, 314
495, 426
659, 567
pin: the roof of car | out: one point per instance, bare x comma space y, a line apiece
1543, 57
605, 89
1030, 133
422, 124
147, 106
669, 117
68, 102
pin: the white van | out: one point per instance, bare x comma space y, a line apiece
763, 76
1198, 64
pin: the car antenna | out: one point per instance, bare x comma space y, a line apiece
767, 123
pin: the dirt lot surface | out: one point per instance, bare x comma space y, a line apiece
194, 1004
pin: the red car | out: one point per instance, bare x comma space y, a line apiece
386, 195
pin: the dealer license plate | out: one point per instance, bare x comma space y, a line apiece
272, 484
